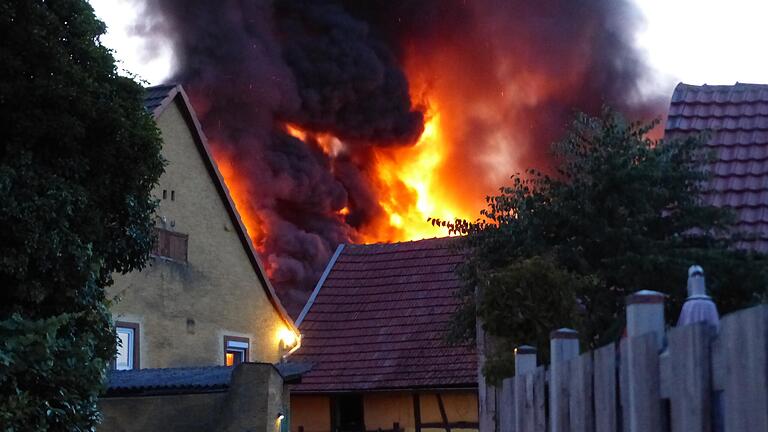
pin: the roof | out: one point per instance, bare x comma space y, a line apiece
156, 100
193, 379
736, 118
155, 96
186, 380
378, 317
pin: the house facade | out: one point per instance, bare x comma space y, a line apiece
204, 298
374, 330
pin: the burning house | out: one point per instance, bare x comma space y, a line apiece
341, 121
204, 299
201, 328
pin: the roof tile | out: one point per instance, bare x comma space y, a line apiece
735, 121
379, 321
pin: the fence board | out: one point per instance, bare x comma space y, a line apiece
605, 388
506, 406
580, 394
558, 400
745, 349
643, 378
539, 400
666, 375
529, 406
519, 402
624, 384
690, 398
718, 365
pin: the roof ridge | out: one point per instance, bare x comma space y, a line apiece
319, 285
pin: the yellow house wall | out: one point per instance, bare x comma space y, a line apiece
185, 309
313, 412
383, 409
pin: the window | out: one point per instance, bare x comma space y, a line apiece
347, 413
171, 245
235, 350
128, 350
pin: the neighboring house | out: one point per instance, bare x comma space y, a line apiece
374, 330
736, 119
204, 298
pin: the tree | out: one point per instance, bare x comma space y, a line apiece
622, 213
78, 159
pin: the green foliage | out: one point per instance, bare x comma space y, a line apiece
623, 213
53, 371
78, 161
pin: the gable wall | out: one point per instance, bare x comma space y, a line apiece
185, 310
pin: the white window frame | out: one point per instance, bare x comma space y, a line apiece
236, 344
130, 347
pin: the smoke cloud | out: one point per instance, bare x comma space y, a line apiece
509, 74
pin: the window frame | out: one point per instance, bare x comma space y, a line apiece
240, 339
136, 357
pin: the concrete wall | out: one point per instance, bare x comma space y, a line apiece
190, 413
383, 409
185, 310
252, 403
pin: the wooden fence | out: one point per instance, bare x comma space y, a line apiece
691, 379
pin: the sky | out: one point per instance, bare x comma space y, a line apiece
694, 41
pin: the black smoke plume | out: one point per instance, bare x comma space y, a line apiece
336, 67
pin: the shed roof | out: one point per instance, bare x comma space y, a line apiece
191, 379
378, 317
736, 118
186, 379
156, 100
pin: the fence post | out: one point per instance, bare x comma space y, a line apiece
563, 346
645, 331
525, 359
690, 386
744, 336
645, 314
523, 405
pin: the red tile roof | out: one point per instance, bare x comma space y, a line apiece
378, 321
736, 118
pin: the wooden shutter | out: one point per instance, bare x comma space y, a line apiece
171, 244
177, 246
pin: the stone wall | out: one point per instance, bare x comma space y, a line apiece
252, 403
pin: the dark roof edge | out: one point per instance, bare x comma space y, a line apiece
163, 391
178, 93
319, 285
457, 387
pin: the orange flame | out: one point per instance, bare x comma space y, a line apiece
409, 188
331, 145
239, 192
406, 183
